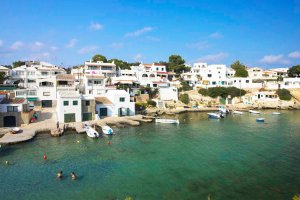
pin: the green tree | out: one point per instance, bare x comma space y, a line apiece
240, 69
184, 98
222, 92
18, 63
2, 77
185, 86
120, 63
99, 57
176, 63
294, 71
284, 94
203, 91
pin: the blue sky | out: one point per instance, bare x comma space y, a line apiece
256, 32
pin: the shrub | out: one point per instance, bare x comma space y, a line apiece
151, 103
222, 92
140, 106
284, 94
203, 91
185, 86
184, 98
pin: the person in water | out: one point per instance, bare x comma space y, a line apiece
73, 176
59, 175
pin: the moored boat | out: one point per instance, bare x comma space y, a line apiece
276, 113
107, 130
237, 112
215, 115
167, 121
90, 131
254, 112
260, 119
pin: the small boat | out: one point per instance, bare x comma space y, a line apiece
215, 115
90, 131
107, 130
223, 110
254, 112
276, 113
167, 121
237, 112
260, 119
15, 130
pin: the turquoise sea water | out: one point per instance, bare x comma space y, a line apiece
233, 158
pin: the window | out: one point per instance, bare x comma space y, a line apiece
106, 68
66, 103
87, 103
214, 83
75, 103
156, 68
208, 75
122, 99
97, 82
154, 85
44, 73
46, 93
247, 81
12, 108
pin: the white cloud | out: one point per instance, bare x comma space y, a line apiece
71, 43
138, 57
216, 35
117, 45
39, 56
37, 45
17, 45
213, 57
274, 59
139, 32
87, 49
54, 48
153, 39
95, 26
198, 45
1, 43
295, 54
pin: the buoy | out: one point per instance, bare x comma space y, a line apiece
108, 142
78, 141
45, 157
6, 162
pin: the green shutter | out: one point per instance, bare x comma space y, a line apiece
69, 117
86, 116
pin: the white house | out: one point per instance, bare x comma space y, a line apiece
167, 94
115, 103
96, 68
94, 84
255, 72
5, 70
69, 108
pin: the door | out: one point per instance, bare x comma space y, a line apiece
86, 116
46, 103
9, 121
70, 117
103, 112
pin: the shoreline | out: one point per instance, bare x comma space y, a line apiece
30, 131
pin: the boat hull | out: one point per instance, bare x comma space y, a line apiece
254, 112
107, 130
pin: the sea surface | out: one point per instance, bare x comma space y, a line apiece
232, 158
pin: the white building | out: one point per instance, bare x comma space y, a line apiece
115, 103
69, 108
255, 72
94, 84
168, 94
5, 70
96, 68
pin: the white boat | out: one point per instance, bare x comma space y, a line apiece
107, 130
167, 121
215, 115
237, 112
90, 131
276, 113
254, 112
15, 130
260, 119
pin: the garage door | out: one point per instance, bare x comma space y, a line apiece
103, 112
70, 117
46, 103
86, 116
9, 121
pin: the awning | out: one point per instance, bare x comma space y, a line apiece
32, 98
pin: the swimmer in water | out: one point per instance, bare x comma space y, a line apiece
59, 175
73, 176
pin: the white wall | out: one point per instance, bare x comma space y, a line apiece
115, 95
3, 107
110, 109
167, 94
62, 110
